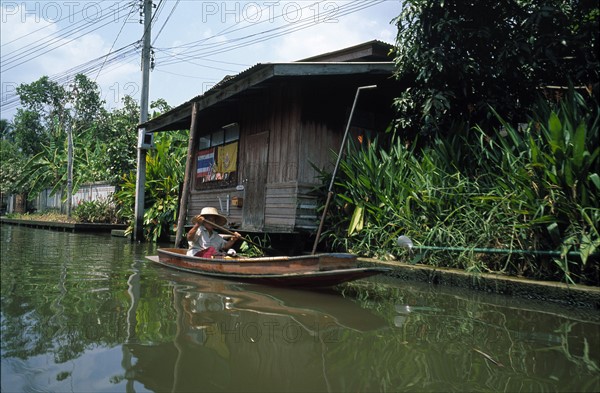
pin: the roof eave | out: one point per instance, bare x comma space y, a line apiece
254, 76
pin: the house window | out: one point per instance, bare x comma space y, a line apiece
217, 158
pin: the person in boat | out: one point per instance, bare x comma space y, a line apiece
203, 240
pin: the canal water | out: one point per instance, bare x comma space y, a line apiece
88, 313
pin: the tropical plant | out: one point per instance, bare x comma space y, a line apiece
6, 130
29, 133
165, 166
40, 131
12, 162
48, 168
560, 175
521, 189
98, 211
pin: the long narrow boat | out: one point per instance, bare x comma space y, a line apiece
320, 270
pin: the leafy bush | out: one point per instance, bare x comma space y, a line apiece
101, 210
525, 189
165, 167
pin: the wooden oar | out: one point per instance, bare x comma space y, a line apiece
269, 251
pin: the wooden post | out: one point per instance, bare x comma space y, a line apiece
189, 169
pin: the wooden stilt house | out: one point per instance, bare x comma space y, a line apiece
256, 137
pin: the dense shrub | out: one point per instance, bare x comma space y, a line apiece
99, 211
165, 167
529, 189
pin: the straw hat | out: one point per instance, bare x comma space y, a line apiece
211, 214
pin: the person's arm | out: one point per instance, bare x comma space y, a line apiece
231, 242
192, 232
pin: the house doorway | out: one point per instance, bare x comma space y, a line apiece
256, 155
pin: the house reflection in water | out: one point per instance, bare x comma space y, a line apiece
249, 338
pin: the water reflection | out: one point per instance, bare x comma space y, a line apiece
236, 337
472, 341
83, 312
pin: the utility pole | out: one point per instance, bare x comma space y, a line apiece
140, 184
69, 169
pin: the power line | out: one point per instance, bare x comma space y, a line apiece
69, 16
362, 4
166, 21
219, 47
203, 48
28, 53
105, 63
113, 44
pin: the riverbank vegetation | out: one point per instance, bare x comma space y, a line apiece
493, 156
35, 145
518, 190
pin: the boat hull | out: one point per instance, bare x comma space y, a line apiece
319, 270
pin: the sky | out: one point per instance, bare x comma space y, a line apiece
195, 43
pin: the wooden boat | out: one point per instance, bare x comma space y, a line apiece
320, 270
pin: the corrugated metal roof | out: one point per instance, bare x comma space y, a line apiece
255, 76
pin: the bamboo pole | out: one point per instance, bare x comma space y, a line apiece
189, 167
337, 163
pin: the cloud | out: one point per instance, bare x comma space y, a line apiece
36, 45
237, 39
332, 32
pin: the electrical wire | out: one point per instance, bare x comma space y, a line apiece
63, 33
107, 63
200, 43
166, 21
203, 48
159, 10
69, 16
236, 43
113, 44
34, 51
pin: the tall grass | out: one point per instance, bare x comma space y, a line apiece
533, 188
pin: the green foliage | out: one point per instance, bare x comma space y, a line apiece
120, 154
250, 250
104, 143
457, 58
40, 132
46, 98
165, 167
29, 134
12, 162
104, 149
559, 173
48, 168
6, 130
533, 188
101, 211
88, 106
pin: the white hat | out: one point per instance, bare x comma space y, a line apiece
212, 214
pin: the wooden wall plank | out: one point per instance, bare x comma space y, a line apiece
199, 200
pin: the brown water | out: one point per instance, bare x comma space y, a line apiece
88, 313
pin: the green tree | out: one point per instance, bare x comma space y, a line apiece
121, 155
159, 106
28, 133
12, 162
46, 98
88, 107
51, 114
6, 129
458, 58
